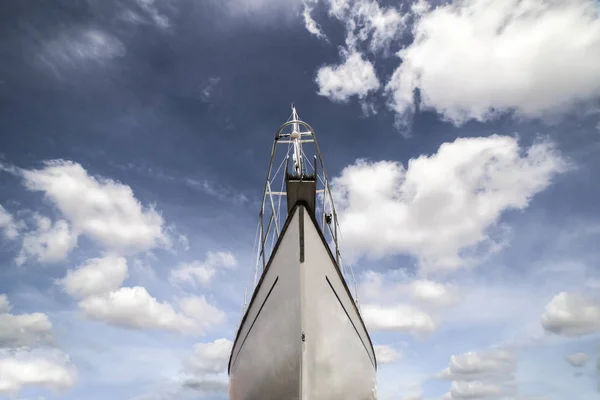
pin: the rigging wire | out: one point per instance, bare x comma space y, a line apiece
335, 240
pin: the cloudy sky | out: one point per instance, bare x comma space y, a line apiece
462, 140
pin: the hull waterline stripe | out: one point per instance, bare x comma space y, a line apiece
255, 318
350, 319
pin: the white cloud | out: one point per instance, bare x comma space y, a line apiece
577, 359
444, 208
434, 293
98, 276
478, 366
210, 358
477, 390
135, 308
403, 318
52, 370
202, 272
7, 224
365, 21
571, 314
386, 354
205, 314
49, 243
354, 77
97, 286
476, 59
311, 25
104, 210
371, 22
420, 7
22, 329
4, 304
398, 286
480, 375
202, 371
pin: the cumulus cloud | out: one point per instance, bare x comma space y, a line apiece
480, 375
571, 314
386, 354
97, 286
4, 304
477, 390
22, 329
397, 286
375, 286
201, 371
479, 366
577, 359
365, 22
104, 210
211, 357
49, 243
401, 317
135, 308
51, 370
7, 224
477, 59
354, 77
19, 365
202, 272
444, 208
434, 293
97, 276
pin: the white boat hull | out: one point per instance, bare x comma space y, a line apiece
302, 336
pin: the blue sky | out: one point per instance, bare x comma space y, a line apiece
462, 140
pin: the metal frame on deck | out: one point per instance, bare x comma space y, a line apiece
292, 139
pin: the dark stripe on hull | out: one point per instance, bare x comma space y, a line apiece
254, 321
349, 319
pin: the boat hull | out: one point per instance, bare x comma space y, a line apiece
302, 336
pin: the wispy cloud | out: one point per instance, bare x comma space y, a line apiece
148, 12
202, 272
8, 224
79, 48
